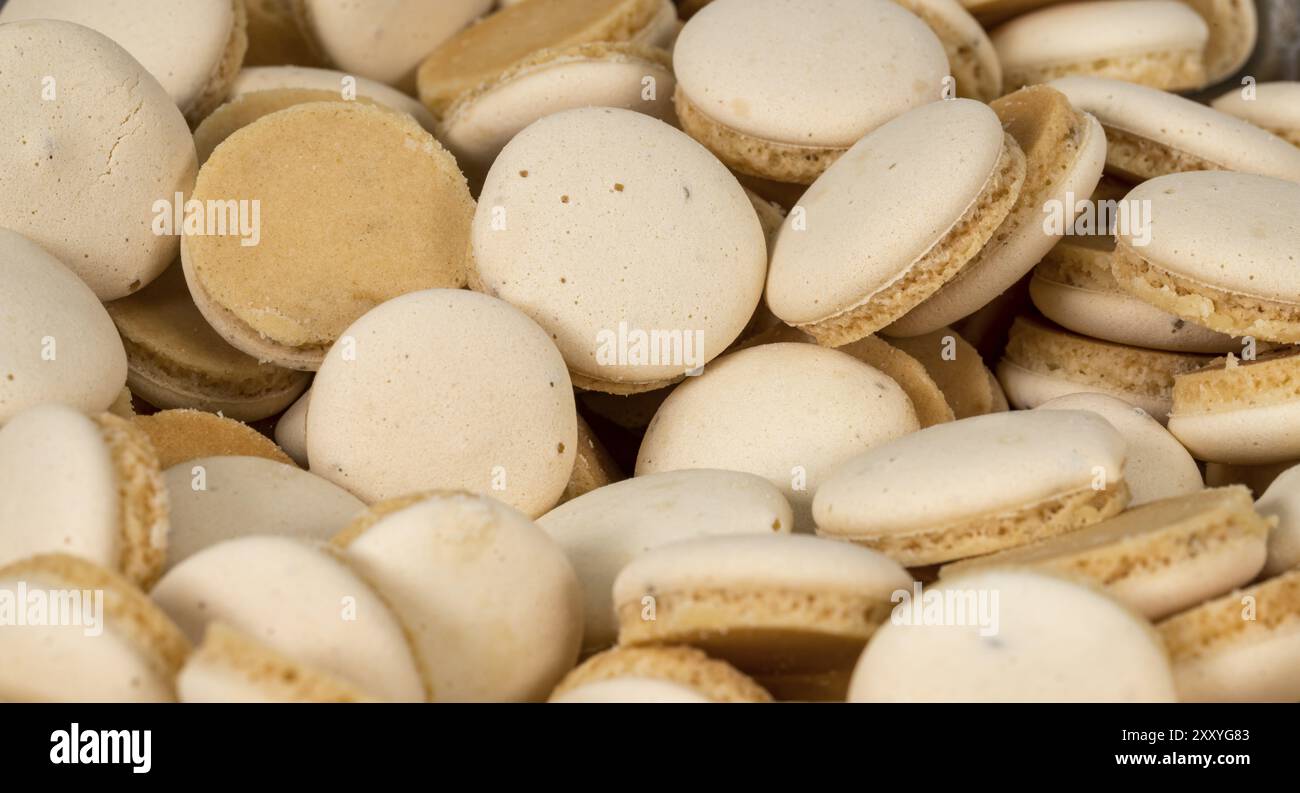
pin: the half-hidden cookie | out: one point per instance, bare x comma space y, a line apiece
1271, 106
491, 604
274, 37
1243, 412
176, 359
1065, 151
716, 681
1033, 638
56, 342
291, 430
959, 371
246, 108
345, 86
387, 41
181, 435
972, 58
1074, 287
605, 248
301, 600
1007, 479
1160, 43
746, 90
214, 499
1150, 133
1242, 647
604, 530
458, 391
1156, 466
117, 645
478, 125
1234, 31
770, 605
866, 245
749, 412
627, 690
1280, 501
1157, 559
85, 167
1257, 478
193, 49
356, 205
1042, 362
479, 53
90, 487
231, 667
593, 467
1197, 223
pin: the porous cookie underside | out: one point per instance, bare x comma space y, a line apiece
998, 532
170, 374
1137, 158
766, 159
1218, 625
1217, 309
938, 265
685, 666
141, 499
1169, 70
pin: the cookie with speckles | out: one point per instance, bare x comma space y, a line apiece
1272, 106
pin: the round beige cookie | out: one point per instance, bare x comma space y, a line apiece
1272, 106
750, 412
1065, 151
1241, 412
181, 435
56, 342
1197, 222
89, 487
593, 74
1157, 466
479, 53
301, 600
1150, 132
972, 59
1160, 43
780, 93
1035, 640
1159, 558
345, 86
246, 108
193, 49
1006, 479
716, 681
956, 367
629, 689
492, 606
383, 40
893, 220
89, 151
356, 205
116, 646
605, 248
231, 667
445, 389
176, 359
604, 530
1042, 362
1234, 32
770, 605
214, 499
1074, 287
1242, 647
593, 467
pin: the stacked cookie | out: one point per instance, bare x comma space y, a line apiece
640, 351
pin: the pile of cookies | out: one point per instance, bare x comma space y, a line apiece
640, 351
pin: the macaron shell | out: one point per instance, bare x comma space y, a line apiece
683, 666
662, 30
384, 40
593, 467
630, 689
214, 499
577, 199
1243, 436
957, 369
1156, 466
274, 37
300, 600
58, 345
971, 56
1038, 655
291, 430
1273, 106
306, 78
1282, 501
112, 143
1234, 31
181, 435
433, 371
247, 108
748, 412
493, 607
604, 530
186, 47
745, 64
